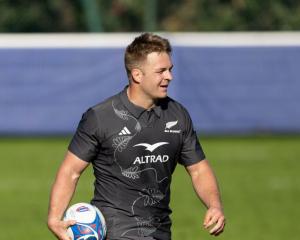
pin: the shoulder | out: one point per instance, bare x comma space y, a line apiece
105, 107
100, 113
107, 103
172, 106
99, 117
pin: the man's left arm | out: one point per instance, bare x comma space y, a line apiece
206, 187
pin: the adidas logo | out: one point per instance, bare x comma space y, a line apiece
124, 131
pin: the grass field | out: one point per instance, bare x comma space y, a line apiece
258, 176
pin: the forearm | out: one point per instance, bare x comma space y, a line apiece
64, 185
61, 193
206, 186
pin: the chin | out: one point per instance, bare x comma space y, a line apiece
161, 96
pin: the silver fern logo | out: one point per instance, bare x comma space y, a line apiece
170, 125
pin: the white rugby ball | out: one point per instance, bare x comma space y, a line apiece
90, 223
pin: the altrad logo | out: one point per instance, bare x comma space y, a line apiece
150, 147
151, 158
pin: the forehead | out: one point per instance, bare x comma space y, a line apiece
158, 59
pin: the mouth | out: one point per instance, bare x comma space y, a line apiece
164, 86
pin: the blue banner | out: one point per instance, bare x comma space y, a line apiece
226, 89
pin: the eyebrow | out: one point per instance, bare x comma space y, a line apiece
160, 69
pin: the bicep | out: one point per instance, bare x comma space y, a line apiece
199, 168
72, 166
202, 174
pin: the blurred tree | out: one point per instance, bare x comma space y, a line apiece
39, 16
150, 15
233, 15
92, 14
170, 15
122, 15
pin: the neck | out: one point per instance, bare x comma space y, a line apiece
138, 99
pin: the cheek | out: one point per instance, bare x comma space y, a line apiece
153, 81
157, 79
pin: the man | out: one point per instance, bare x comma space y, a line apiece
134, 141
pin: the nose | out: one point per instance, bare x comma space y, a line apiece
168, 75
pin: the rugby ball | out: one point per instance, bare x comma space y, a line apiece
90, 223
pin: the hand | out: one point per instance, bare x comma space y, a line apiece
59, 228
214, 221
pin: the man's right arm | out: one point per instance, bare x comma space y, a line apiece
62, 192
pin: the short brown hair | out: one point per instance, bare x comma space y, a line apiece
146, 43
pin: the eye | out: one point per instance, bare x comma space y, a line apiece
161, 70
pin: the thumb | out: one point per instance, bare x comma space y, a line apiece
69, 223
207, 219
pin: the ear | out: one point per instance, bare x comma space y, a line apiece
136, 75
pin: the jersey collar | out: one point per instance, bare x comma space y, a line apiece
135, 110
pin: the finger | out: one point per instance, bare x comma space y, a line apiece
218, 227
68, 223
207, 219
211, 222
219, 231
205, 222
64, 236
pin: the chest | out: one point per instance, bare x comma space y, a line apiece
147, 141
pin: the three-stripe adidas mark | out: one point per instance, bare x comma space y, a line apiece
124, 131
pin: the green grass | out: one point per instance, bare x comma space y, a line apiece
258, 176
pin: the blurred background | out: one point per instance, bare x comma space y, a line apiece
236, 69
135, 16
